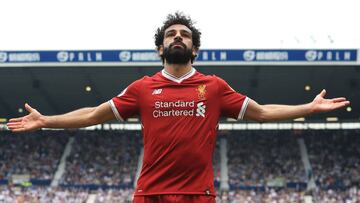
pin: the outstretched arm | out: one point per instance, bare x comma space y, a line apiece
75, 119
273, 112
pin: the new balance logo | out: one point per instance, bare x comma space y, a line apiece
200, 111
157, 91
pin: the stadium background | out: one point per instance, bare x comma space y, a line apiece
100, 163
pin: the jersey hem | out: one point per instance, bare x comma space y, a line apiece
115, 111
174, 193
243, 108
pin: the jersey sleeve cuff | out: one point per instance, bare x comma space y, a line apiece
243, 108
115, 111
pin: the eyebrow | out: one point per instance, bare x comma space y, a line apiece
183, 30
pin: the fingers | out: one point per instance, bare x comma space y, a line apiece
346, 103
323, 93
15, 124
339, 99
15, 127
28, 108
13, 120
341, 104
16, 130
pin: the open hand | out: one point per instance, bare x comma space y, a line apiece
320, 104
30, 122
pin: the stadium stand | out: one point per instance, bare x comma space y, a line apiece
263, 166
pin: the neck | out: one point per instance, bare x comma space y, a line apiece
177, 70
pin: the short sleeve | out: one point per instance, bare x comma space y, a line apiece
232, 103
125, 104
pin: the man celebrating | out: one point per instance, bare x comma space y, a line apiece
180, 110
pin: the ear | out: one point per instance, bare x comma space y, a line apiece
161, 50
194, 51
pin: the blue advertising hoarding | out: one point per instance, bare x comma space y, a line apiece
119, 57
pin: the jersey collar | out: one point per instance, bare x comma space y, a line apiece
178, 79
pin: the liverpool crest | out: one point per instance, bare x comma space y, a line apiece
201, 92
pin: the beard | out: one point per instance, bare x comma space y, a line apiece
177, 55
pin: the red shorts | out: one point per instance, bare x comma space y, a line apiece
174, 198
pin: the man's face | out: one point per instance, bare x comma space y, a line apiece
177, 47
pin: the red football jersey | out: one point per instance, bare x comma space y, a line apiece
179, 119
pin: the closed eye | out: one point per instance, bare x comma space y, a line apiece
185, 33
170, 33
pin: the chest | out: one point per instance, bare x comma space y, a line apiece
179, 100
178, 95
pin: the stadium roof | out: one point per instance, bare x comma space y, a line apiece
55, 90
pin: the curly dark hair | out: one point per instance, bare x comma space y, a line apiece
178, 18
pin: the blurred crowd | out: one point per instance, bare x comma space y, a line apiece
351, 195
42, 195
216, 164
37, 154
334, 157
114, 196
263, 158
261, 165
62, 195
103, 158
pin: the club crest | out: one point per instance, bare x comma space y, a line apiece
201, 92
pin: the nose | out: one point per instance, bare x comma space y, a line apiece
178, 37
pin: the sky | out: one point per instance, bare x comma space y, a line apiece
131, 24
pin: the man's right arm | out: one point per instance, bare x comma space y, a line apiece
76, 119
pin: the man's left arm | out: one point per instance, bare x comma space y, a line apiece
274, 112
